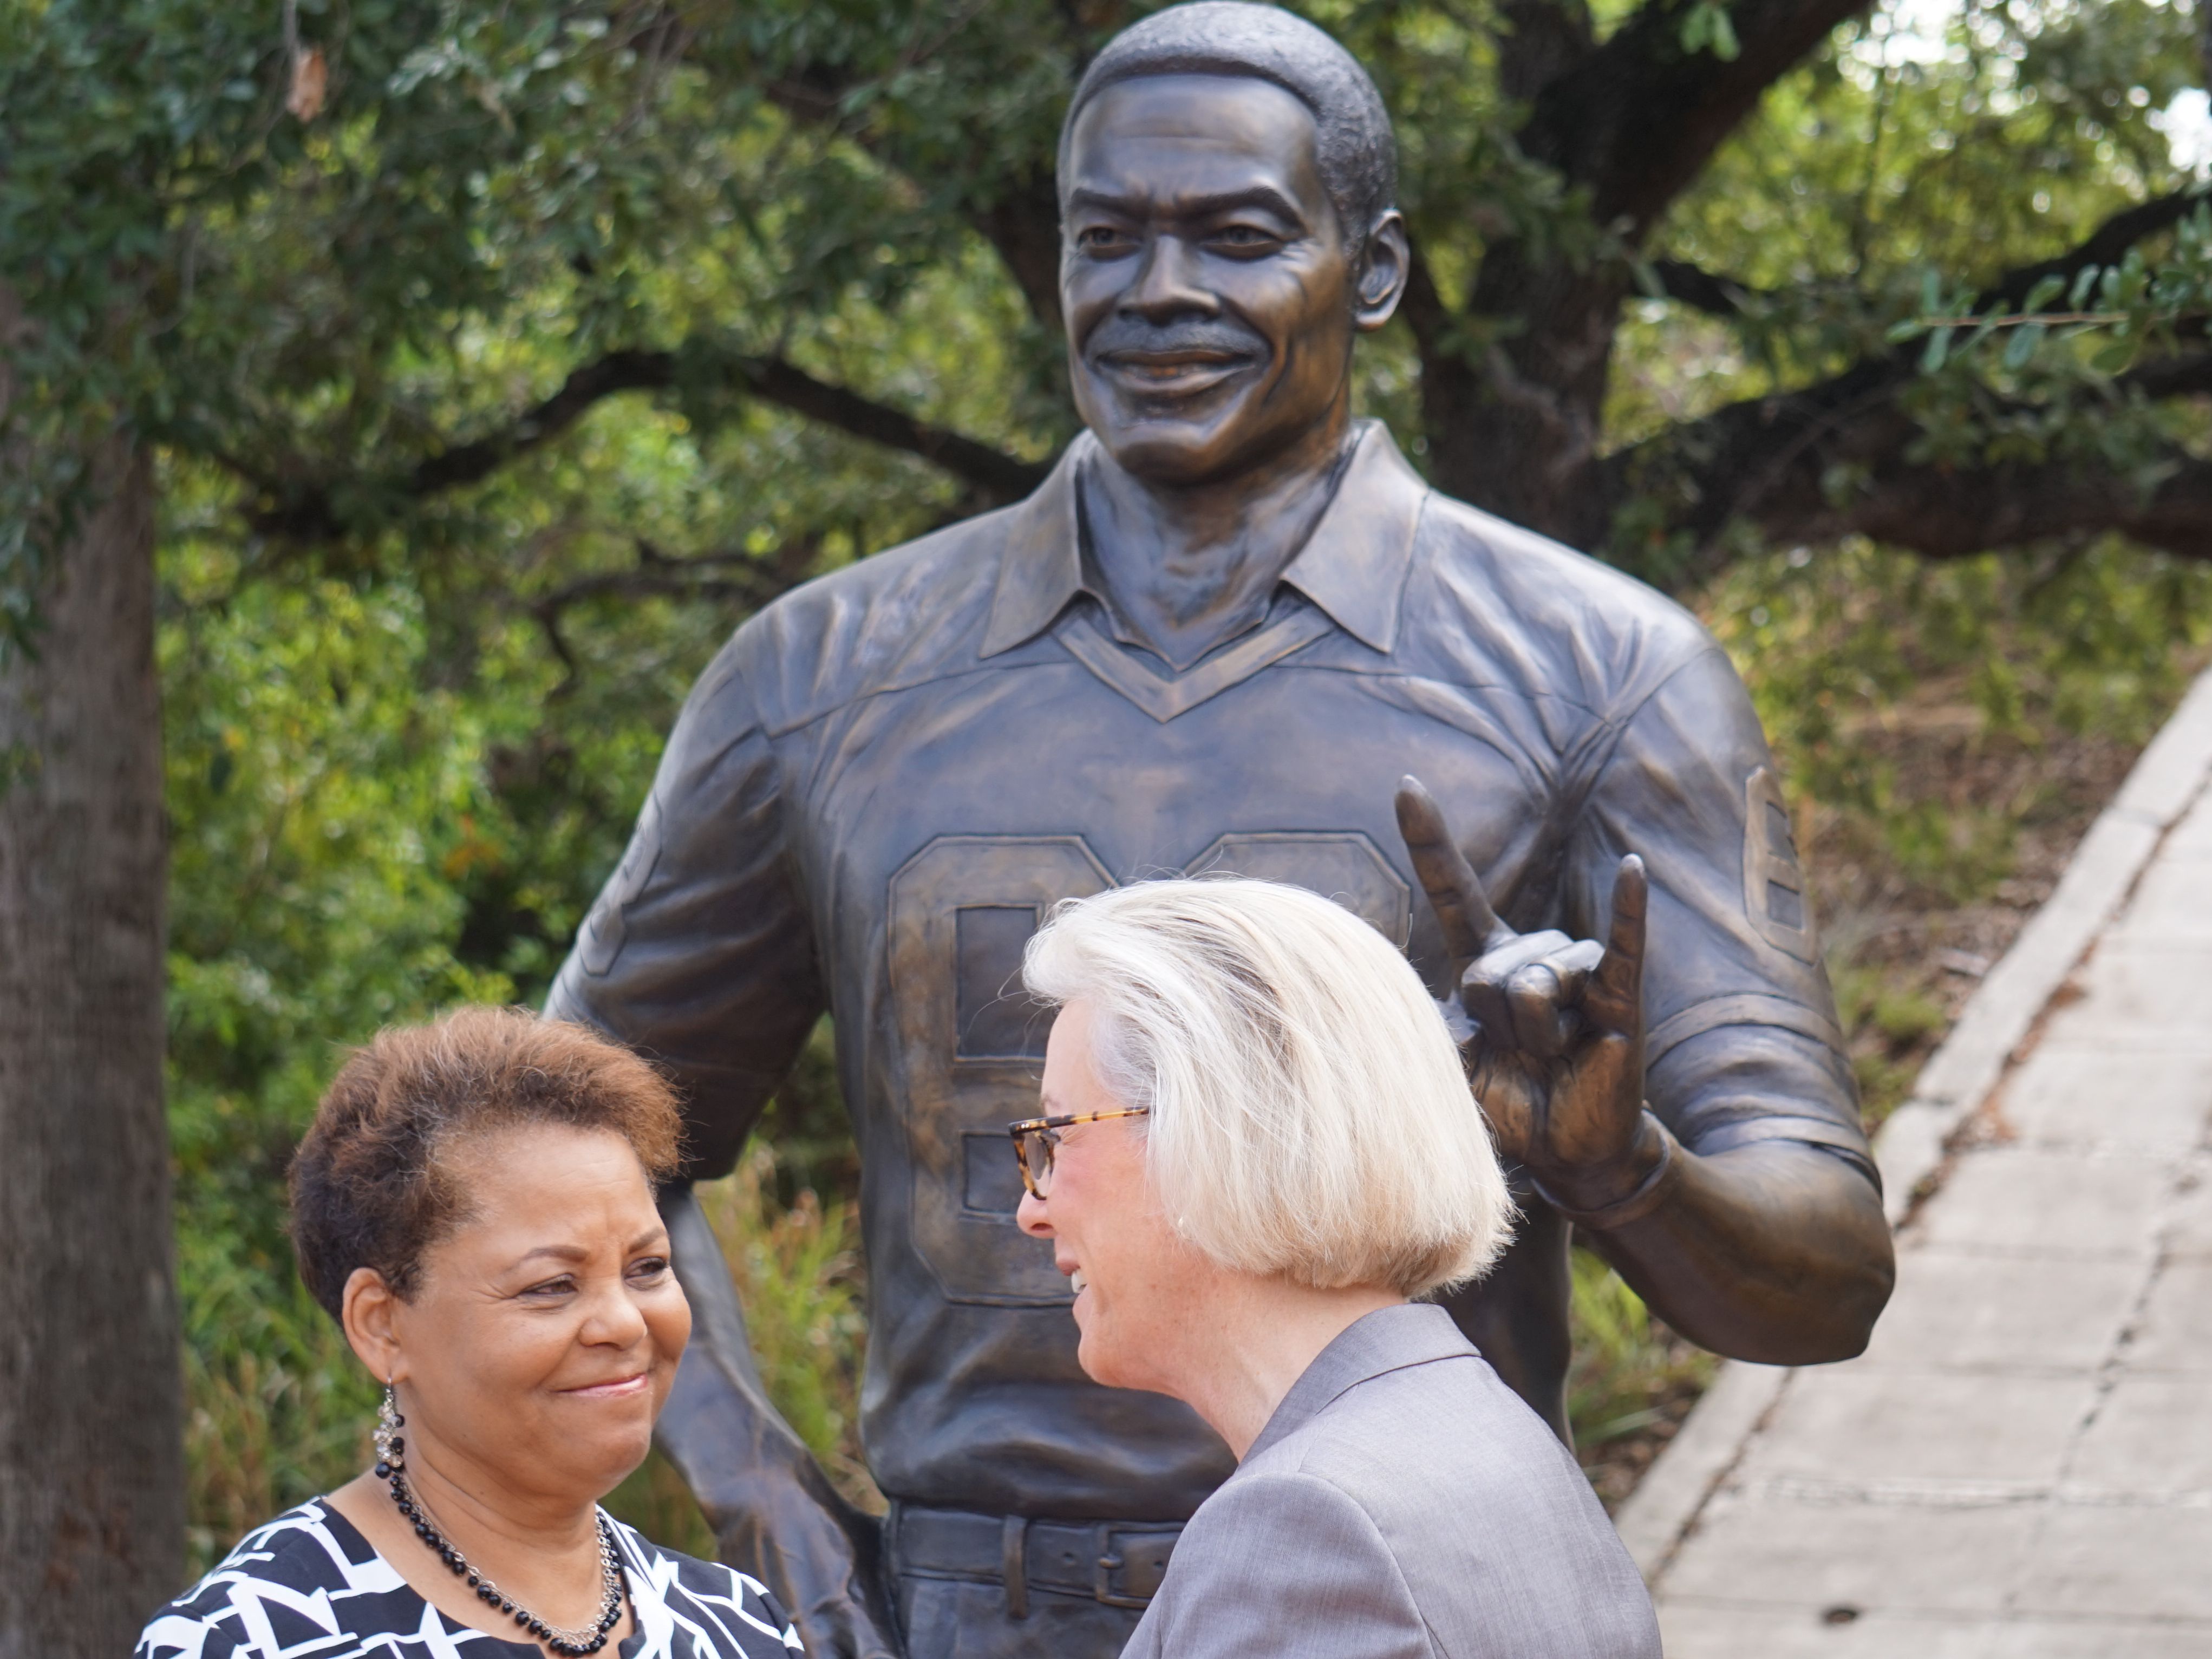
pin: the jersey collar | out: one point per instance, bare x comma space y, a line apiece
1354, 566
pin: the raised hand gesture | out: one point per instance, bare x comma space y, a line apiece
1553, 1029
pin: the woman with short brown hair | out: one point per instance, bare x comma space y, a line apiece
474, 1204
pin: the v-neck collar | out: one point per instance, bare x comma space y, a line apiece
1164, 694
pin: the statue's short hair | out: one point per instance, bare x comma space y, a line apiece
1356, 153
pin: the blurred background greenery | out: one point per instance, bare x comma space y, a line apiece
414, 689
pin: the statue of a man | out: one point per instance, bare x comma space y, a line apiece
1217, 638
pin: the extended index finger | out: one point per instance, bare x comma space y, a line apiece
1620, 975
1456, 893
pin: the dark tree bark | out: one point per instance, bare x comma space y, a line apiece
91, 1481
1514, 420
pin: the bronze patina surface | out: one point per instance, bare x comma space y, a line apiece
1220, 637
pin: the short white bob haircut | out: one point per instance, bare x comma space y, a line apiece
1308, 1114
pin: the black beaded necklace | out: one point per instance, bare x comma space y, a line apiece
391, 1467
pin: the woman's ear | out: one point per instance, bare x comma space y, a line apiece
366, 1309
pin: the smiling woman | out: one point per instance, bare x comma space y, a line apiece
1258, 1147
474, 1204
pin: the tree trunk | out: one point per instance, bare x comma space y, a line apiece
1519, 430
92, 1487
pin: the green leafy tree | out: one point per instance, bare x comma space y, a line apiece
476, 368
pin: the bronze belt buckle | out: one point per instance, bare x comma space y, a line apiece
1142, 1575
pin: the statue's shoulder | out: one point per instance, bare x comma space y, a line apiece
896, 617
1495, 597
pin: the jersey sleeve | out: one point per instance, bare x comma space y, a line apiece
1741, 1040
700, 952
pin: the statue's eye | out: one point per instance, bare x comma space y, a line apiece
1245, 239
1103, 239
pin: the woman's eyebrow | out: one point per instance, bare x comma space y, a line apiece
558, 1252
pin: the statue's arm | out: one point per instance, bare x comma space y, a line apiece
774, 1514
700, 953
1763, 1237
1775, 1251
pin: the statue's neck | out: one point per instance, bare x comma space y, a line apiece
1188, 568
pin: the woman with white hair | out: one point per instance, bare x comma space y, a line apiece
1258, 1149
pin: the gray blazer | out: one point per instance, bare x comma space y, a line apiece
1401, 1504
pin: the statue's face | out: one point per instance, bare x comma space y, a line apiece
1208, 287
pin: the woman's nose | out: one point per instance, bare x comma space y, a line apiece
1029, 1217
614, 1318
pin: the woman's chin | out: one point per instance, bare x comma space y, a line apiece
1094, 1354
603, 1439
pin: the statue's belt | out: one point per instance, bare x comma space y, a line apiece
1120, 1563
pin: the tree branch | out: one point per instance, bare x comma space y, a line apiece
1843, 458
1635, 119
2107, 245
1701, 289
1720, 296
2179, 376
1840, 457
313, 510
1000, 476
1022, 221
752, 580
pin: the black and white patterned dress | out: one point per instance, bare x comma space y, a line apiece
308, 1586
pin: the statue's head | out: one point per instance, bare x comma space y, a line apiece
1227, 190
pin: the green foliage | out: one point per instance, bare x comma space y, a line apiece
796, 1262
1627, 1372
2088, 639
797, 1266
1895, 691
408, 727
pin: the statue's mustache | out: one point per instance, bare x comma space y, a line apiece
1135, 336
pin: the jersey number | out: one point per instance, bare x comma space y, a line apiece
971, 1042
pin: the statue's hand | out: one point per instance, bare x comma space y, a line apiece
1552, 1028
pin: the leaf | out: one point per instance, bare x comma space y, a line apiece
2084, 280
1938, 348
2114, 357
1707, 26
2022, 345
2043, 293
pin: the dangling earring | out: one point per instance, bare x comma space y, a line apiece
390, 1449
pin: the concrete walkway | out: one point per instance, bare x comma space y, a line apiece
2021, 1464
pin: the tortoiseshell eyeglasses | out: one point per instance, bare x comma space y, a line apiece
1037, 1138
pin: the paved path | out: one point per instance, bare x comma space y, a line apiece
2021, 1464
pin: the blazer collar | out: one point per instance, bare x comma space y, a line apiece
1354, 566
1387, 1340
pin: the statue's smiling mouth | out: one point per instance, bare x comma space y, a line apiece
1182, 358
1185, 368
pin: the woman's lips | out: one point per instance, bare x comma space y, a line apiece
621, 1388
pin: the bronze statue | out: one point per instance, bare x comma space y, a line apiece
1216, 638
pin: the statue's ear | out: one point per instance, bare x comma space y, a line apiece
1381, 281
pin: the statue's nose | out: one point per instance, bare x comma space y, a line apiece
1166, 285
